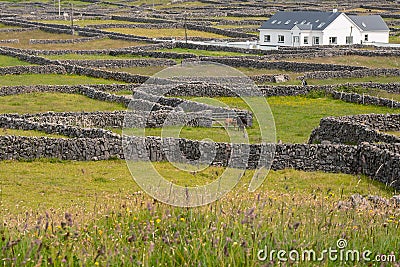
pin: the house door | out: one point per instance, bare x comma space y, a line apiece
296, 40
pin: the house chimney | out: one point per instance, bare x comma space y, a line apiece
335, 10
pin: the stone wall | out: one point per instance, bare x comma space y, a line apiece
223, 32
155, 54
141, 101
25, 57
281, 65
357, 129
17, 29
321, 75
142, 26
65, 29
381, 165
9, 41
20, 147
365, 99
46, 69
51, 128
119, 63
65, 41
75, 124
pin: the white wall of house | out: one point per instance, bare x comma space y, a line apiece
375, 37
341, 28
301, 37
316, 38
274, 36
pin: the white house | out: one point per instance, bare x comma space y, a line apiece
307, 28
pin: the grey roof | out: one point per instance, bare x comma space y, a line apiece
370, 23
304, 27
283, 20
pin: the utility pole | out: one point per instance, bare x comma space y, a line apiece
59, 8
185, 28
72, 18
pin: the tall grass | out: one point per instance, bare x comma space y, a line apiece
106, 227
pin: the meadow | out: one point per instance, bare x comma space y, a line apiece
295, 117
51, 79
92, 213
57, 102
370, 62
171, 33
24, 38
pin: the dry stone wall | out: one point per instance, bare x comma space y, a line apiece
365, 99
119, 63
65, 123
46, 69
281, 65
321, 75
379, 164
357, 129
65, 41
9, 41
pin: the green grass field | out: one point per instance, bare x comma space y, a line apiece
295, 117
2, 26
28, 133
147, 71
90, 57
74, 213
57, 102
24, 38
199, 52
87, 22
6, 61
370, 62
51, 79
157, 33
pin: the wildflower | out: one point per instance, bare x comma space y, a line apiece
182, 219
96, 263
158, 220
100, 232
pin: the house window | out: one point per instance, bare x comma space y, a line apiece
316, 40
366, 38
349, 39
267, 38
305, 39
332, 40
281, 39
